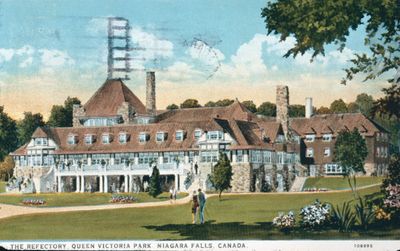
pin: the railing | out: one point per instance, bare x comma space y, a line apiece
118, 167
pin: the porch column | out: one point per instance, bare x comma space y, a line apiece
78, 183
101, 185
126, 182
59, 184
233, 156
130, 183
246, 156
105, 184
83, 184
176, 182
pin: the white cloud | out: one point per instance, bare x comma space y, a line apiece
6, 54
274, 45
202, 51
25, 50
55, 58
342, 57
27, 62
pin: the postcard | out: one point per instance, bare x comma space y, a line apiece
199, 125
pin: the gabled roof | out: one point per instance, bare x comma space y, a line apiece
109, 97
40, 132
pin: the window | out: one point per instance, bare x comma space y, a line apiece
173, 157
378, 152
88, 139
179, 135
147, 158
239, 156
333, 169
215, 135
310, 152
280, 138
143, 137
281, 157
256, 156
197, 133
72, 140
41, 141
327, 137
327, 152
209, 156
267, 156
122, 138
310, 138
161, 136
105, 138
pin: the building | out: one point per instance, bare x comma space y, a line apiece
116, 140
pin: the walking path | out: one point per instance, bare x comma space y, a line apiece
7, 210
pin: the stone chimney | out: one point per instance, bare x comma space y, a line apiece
282, 107
151, 92
77, 112
309, 107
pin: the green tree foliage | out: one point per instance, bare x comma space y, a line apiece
323, 110
353, 107
338, 106
6, 168
350, 153
315, 24
61, 116
190, 103
8, 134
28, 125
390, 103
172, 107
155, 183
365, 103
224, 102
210, 104
393, 176
297, 111
249, 104
267, 109
221, 175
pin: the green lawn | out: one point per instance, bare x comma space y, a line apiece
339, 183
78, 199
235, 217
2, 186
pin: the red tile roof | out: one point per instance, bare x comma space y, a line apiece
109, 97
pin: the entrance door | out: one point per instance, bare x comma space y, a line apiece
313, 171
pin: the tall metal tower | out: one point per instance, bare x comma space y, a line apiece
118, 43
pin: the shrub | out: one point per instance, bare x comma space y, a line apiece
33, 202
118, 198
316, 215
343, 217
285, 222
381, 214
392, 200
364, 214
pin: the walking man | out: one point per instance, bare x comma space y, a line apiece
202, 204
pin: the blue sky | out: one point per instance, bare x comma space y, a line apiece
199, 49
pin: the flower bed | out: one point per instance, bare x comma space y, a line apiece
285, 222
314, 189
33, 202
118, 198
316, 215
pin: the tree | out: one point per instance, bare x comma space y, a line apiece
390, 103
353, 107
221, 175
267, 109
8, 134
338, 106
210, 104
224, 102
61, 116
6, 167
172, 107
365, 103
393, 177
249, 104
28, 125
350, 153
314, 24
190, 103
296, 111
155, 184
323, 110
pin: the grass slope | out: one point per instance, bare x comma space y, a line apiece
78, 199
2, 186
235, 217
339, 183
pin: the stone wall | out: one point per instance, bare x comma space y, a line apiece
242, 173
77, 112
282, 108
151, 92
127, 111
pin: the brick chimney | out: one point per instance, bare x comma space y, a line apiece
151, 92
282, 107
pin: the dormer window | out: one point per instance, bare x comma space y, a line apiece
123, 137
72, 139
327, 137
89, 139
143, 137
106, 138
197, 133
310, 137
161, 136
179, 135
310, 152
280, 138
215, 135
40, 141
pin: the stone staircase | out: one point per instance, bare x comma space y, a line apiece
298, 184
